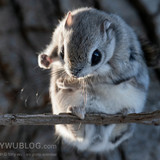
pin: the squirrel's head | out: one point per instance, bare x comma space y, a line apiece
88, 43
85, 43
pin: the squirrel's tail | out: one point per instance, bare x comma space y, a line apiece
151, 53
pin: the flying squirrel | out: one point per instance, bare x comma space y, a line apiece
97, 66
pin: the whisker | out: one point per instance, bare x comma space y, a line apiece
36, 67
26, 101
84, 91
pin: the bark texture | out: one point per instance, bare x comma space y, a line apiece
25, 28
152, 118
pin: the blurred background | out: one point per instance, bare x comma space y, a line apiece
26, 27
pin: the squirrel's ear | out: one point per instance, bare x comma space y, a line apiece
69, 19
106, 27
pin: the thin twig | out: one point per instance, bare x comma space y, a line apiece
152, 118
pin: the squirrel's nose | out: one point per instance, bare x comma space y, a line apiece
76, 72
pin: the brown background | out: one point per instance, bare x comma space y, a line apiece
25, 28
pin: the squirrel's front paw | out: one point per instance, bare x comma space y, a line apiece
44, 61
78, 111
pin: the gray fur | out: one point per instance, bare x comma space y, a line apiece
118, 83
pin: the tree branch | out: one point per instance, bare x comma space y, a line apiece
152, 118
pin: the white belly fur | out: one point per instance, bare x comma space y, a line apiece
107, 99
112, 99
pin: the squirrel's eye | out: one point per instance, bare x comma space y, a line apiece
96, 57
62, 53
